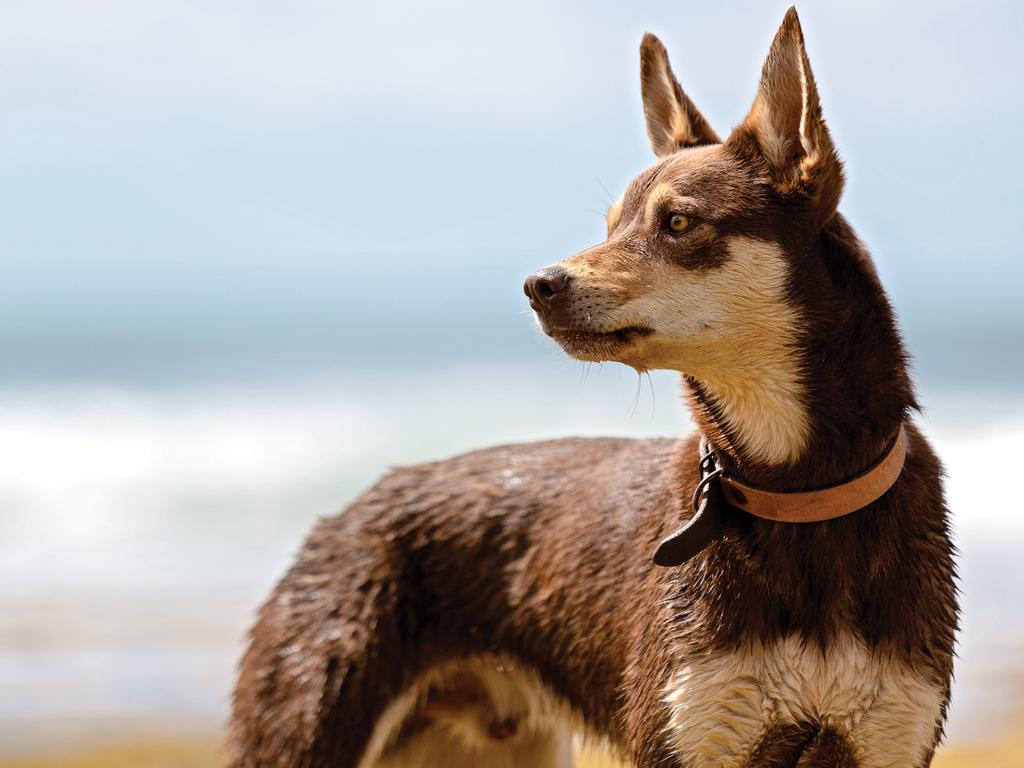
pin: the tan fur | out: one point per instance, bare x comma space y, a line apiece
659, 200
438, 747
723, 703
731, 328
773, 143
456, 733
678, 125
613, 216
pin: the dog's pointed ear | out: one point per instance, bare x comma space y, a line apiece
673, 122
785, 125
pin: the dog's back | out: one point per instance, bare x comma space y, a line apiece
524, 559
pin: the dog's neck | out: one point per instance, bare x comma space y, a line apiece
853, 390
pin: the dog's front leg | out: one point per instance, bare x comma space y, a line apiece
782, 746
828, 749
802, 745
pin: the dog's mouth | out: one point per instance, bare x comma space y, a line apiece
596, 345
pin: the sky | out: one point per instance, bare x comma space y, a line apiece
192, 187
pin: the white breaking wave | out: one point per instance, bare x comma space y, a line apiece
114, 485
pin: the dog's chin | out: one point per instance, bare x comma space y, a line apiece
599, 346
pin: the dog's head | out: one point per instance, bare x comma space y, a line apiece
696, 272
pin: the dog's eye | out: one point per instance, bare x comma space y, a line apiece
676, 222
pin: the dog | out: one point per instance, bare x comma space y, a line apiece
778, 590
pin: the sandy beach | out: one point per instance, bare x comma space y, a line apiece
204, 750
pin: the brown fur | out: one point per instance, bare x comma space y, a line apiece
539, 555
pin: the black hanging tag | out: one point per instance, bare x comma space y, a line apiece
689, 540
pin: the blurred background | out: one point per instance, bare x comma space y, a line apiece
251, 254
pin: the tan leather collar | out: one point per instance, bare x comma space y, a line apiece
825, 503
716, 486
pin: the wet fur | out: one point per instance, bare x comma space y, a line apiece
483, 609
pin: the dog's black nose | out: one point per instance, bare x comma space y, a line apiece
544, 286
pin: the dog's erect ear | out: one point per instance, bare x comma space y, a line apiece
673, 122
786, 126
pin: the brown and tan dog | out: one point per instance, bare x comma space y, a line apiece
479, 611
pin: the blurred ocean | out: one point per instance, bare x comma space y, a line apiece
142, 525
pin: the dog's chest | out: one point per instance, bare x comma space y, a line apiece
721, 704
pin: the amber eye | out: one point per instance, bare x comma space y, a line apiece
676, 222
